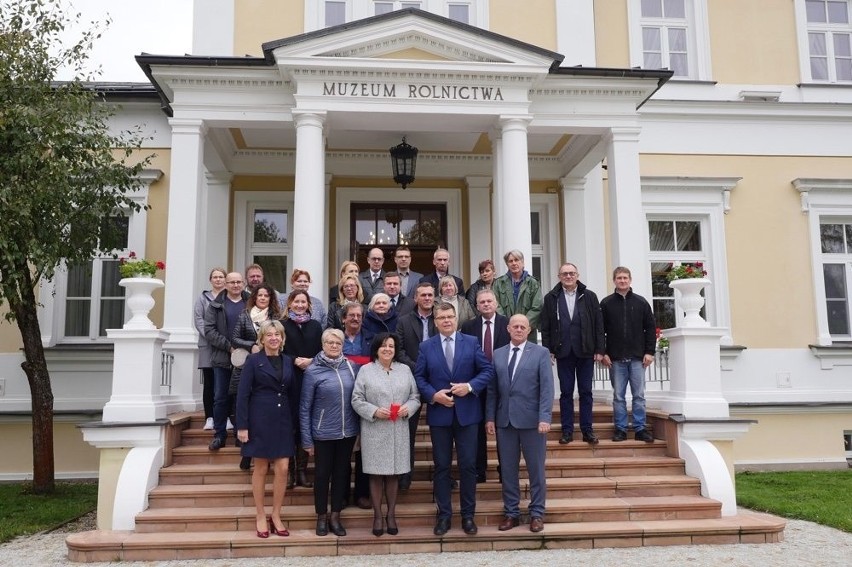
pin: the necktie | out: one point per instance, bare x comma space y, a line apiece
425, 321
512, 363
486, 341
448, 351
393, 302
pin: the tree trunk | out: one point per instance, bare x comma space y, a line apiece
41, 393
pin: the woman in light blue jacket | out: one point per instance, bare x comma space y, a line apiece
329, 427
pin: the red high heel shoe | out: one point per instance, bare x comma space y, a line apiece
282, 533
262, 535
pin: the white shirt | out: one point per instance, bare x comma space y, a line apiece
570, 300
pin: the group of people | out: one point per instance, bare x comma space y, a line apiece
299, 381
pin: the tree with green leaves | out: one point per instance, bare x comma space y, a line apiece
63, 173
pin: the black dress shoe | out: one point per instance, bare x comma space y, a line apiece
565, 439
336, 527
216, 444
454, 484
404, 482
245, 463
480, 478
590, 438
322, 525
644, 435
469, 526
619, 435
442, 526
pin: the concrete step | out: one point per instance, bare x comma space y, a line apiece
745, 527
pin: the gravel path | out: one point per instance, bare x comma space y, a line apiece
805, 543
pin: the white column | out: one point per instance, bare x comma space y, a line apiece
575, 32
497, 244
213, 27
583, 211
515, 223
309, 214
627, 225
478, 221
320, 285
213, 222
184, 253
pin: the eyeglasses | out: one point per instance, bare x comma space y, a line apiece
567, 274
234, 282
445, 317
375, 259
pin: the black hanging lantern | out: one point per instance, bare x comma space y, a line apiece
403, 160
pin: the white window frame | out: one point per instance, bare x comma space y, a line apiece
53, 294
802, 30
823, 199
360, 9
697, 37
245, 205
706, 199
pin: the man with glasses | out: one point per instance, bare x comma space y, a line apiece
451, 372
408, 278
220, 318
372, 279
572, 329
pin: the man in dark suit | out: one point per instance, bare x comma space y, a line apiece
441, 261
451, 371
411, 331
372, 279
492, 331
572, 329
520, 405
408, 278
399, 302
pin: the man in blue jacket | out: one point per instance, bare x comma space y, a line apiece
451, 372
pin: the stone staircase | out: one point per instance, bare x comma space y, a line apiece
612, 495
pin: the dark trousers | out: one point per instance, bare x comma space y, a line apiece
413, 422
443, 438
331, 466
221, 405
207, 391
362, 480
568, 368
482, 442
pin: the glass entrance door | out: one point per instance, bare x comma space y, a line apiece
421, 227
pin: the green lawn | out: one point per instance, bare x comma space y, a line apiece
824, 497
22, 512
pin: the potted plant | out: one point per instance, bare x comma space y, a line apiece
689, 280
133, 267
138, 278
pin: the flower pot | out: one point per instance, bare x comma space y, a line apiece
139, 300
690, 301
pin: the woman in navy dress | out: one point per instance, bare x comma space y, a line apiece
265, 423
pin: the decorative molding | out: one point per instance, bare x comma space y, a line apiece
834, 355
805, 185
722, 184
417, 40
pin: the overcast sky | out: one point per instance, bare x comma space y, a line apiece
162, 27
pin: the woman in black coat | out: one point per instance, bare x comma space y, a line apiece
262, 305
265, 422
304, 341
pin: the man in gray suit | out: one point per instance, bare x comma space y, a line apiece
520, 404
408, 278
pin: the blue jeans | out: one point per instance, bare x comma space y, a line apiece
221, 381
623, 372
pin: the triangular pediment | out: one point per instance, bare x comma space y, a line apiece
413, 35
